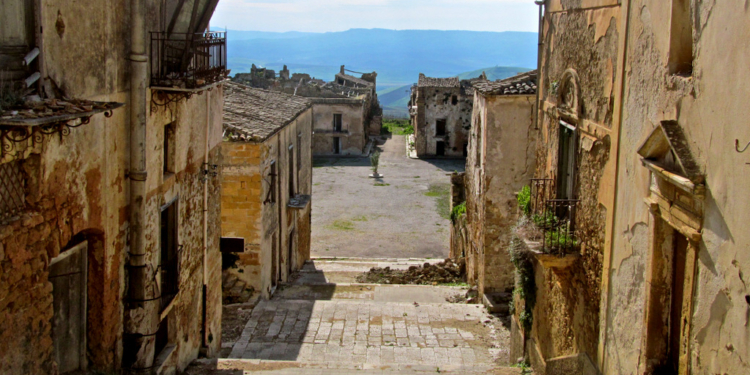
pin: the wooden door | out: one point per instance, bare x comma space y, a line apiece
68, 276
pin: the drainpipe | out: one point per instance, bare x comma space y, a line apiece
540, 46
141, 309
206, 167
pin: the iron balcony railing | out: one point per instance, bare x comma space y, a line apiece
188, 60
555, 218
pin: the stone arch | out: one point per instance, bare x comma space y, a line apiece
569, 96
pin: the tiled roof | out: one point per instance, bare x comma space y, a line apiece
425, 81
253, 115
522, 84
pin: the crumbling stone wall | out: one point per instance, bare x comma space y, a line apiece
584, 39
438, 103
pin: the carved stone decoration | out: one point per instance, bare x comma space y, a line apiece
568, 96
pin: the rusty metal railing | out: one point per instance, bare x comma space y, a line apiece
555, 218
188, 60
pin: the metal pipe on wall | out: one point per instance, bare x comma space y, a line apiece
141, 311
540, 46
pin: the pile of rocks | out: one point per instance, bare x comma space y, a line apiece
446, 272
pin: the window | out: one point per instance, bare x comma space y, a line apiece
337, 122
566, 161
681, 39
290, 171
169, 259
271, 194
12, 190
169, 149
440, 127
454, 100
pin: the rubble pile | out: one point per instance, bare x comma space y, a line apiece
446, 272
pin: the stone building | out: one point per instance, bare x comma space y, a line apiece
638, 263
267, 184
440, 112
501, 160
109, 224
346, 110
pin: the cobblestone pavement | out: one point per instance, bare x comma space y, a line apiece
366, 332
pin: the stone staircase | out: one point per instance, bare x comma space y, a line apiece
315, 326
234, 290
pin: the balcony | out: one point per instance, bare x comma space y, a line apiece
188, 62
548, 229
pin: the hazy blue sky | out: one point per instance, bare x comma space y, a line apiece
339, 15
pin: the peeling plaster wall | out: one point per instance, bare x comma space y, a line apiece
583, 36
76, 189
436, 103
712, 110
501, 160
353, 136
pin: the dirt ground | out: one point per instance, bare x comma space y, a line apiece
404, 214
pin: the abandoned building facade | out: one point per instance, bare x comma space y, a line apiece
109, 222
501, 160
266, 184
628, 244
346, 110
440, 112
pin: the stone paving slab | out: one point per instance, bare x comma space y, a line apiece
368, 333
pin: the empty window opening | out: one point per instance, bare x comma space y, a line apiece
466, 149
454, 100
566, 161
169, 259
440, 127
336, 145
337, 122
440, 148
12, 190
681, 39
169, 149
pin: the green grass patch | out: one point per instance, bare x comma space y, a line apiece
382, 184
458, 211
342, 225
360, 218
442, 193
396, 126
461, 284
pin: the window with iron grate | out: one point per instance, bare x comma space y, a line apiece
12, 190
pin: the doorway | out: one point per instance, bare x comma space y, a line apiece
679, 257
566, 161
68, 274
440, 148
336, 145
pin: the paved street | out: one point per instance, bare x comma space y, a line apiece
404, 214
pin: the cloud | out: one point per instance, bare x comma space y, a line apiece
339, 15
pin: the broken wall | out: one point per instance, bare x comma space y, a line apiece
442, 103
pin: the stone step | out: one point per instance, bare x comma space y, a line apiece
251, 366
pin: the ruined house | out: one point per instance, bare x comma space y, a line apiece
501, 160
346, 110
633, 259
109, 218
266, 184
440, 112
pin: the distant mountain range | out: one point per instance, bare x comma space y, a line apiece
398, 56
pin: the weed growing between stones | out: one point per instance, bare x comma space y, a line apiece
525, 286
